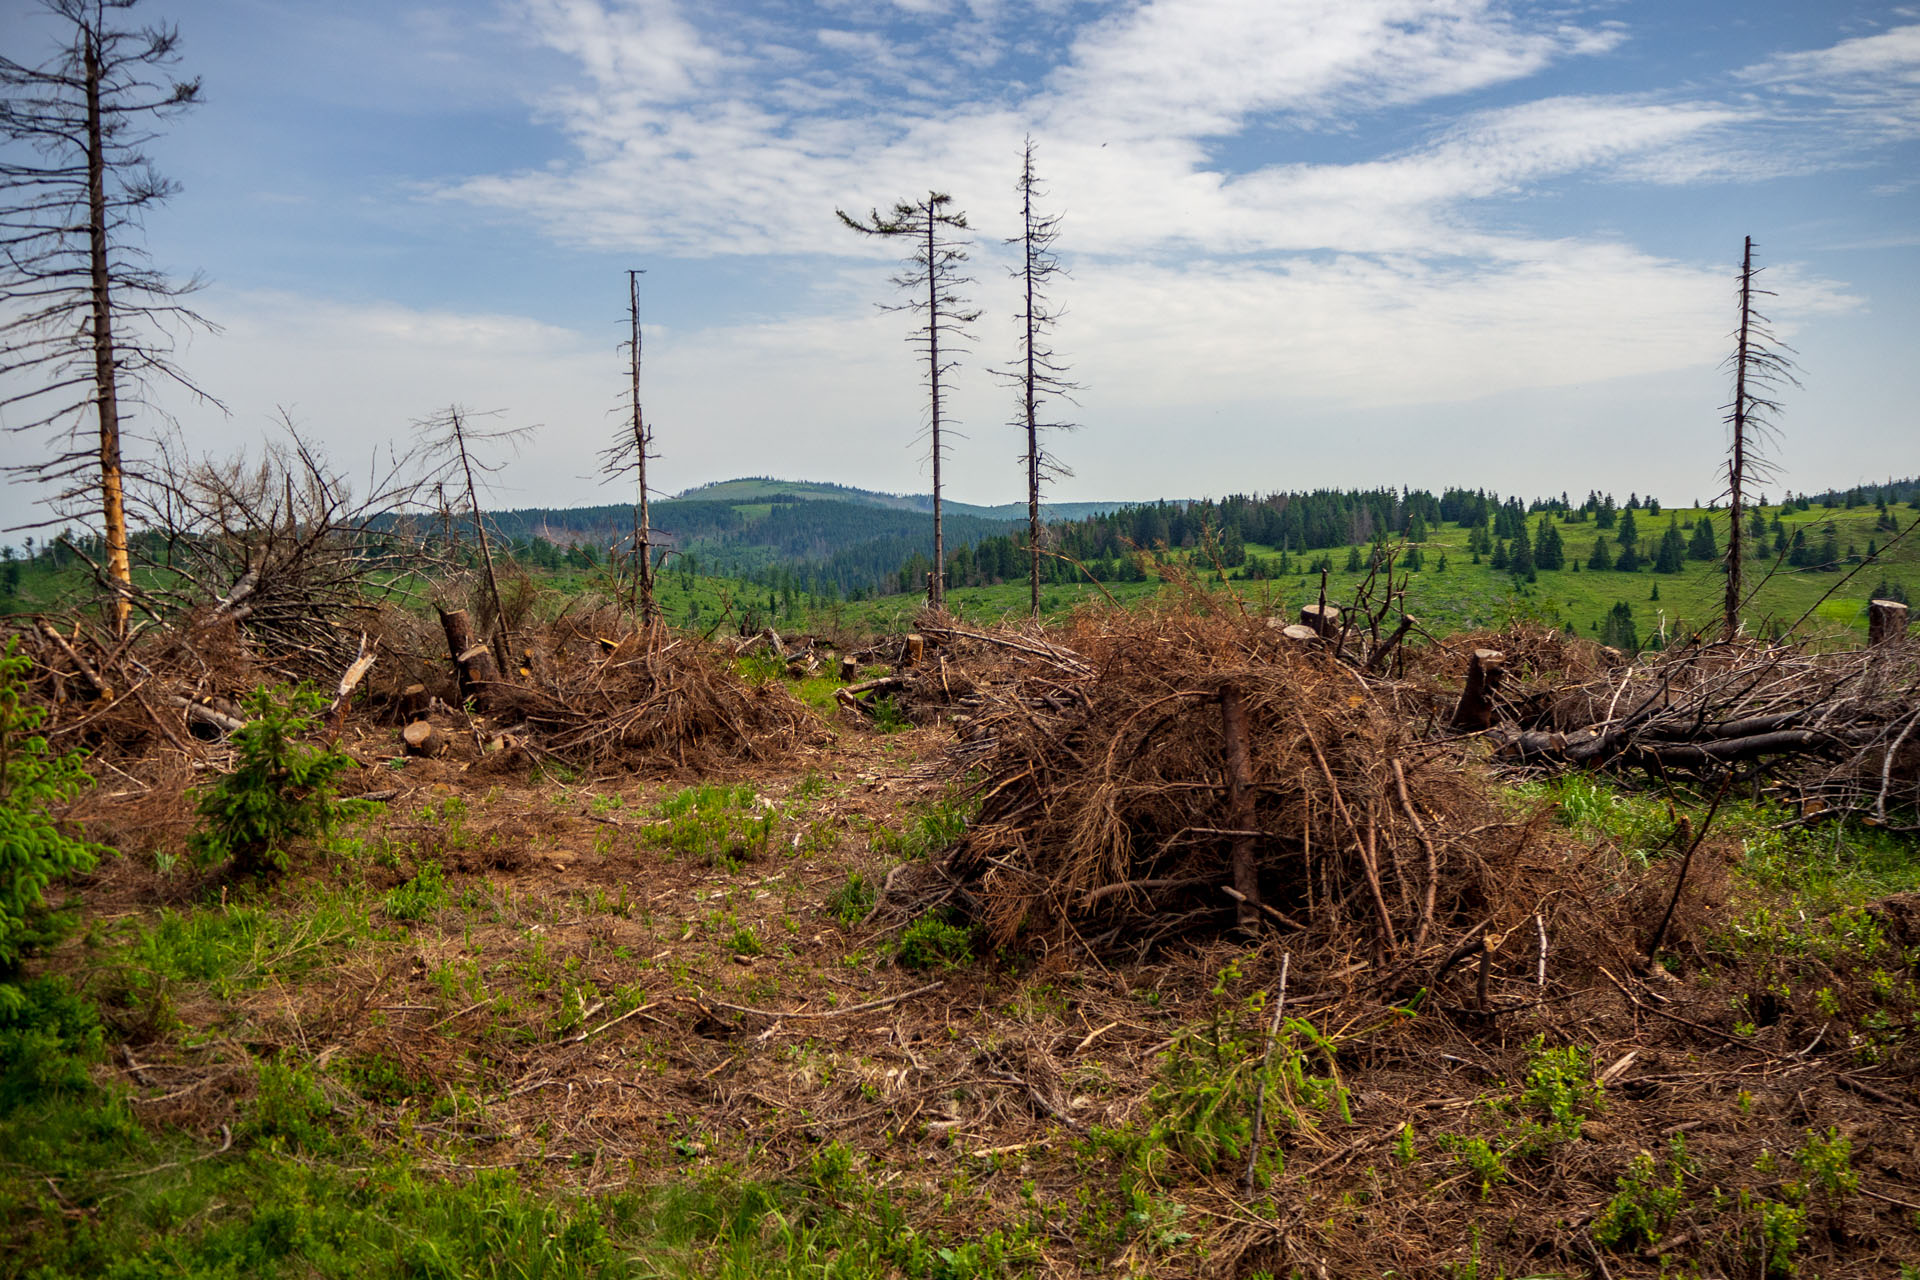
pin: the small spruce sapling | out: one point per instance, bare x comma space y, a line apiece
281, 790
33, 849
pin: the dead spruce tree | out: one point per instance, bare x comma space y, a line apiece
629, 453
931, 281
87, 318
1037, 371
452, 439
1761, 365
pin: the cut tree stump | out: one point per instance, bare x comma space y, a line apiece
473, 661
1323, 618
413, 702
1886, 620
1485, 670
422, 739
916, 650
849, 669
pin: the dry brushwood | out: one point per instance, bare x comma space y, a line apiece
1836, 726
1176, 772
647, 698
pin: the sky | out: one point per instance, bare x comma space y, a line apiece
1308, 242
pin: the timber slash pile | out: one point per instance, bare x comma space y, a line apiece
1256, 948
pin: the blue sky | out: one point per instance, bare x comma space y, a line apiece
1312, 242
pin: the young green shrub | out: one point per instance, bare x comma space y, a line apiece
931, 942
850, 903
1646, 1200
722, 825
1560, 1083
419, 897
281, 789
33, 849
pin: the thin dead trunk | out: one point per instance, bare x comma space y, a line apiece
1032, 409
938, 586
647, 611
486, 549
1737, 462
1246, 879
113, 512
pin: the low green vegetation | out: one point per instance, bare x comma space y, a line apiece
280, 790
34, 850
721, 825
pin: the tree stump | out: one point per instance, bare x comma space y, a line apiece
1324, 619
916, 650
1485, 670
1886, 620
849, 669
413, 702
472, 661
422, 739
1299, 633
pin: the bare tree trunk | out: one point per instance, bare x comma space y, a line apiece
105, 391
1246, 879
939, 584
1737, 463
486, 550
1032, 410
648, 611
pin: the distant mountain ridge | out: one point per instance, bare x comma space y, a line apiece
754, 489
854, 539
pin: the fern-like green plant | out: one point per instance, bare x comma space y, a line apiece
33, 849
281, 789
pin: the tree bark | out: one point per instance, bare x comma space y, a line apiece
1485, 670
1886, 620
113, 513
422, 739
938, 590
472, 662
1246, 878
1323, 618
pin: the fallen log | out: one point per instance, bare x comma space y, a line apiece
198, 712
1647, 749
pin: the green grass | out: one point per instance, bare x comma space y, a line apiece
1466, 595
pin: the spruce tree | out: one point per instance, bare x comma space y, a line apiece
1629, 560
1499, 560
1702, 545
1629, 533
1520, 560
1549, 552
1671, 557
1601, 559
1618, 630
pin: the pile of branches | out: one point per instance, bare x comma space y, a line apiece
593, 692
282, 547
1838, 727
1178, 771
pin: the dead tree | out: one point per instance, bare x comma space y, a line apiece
278, 544
629, 453
931, 280
1760, 366
87, 318
1037, 371
452, 437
